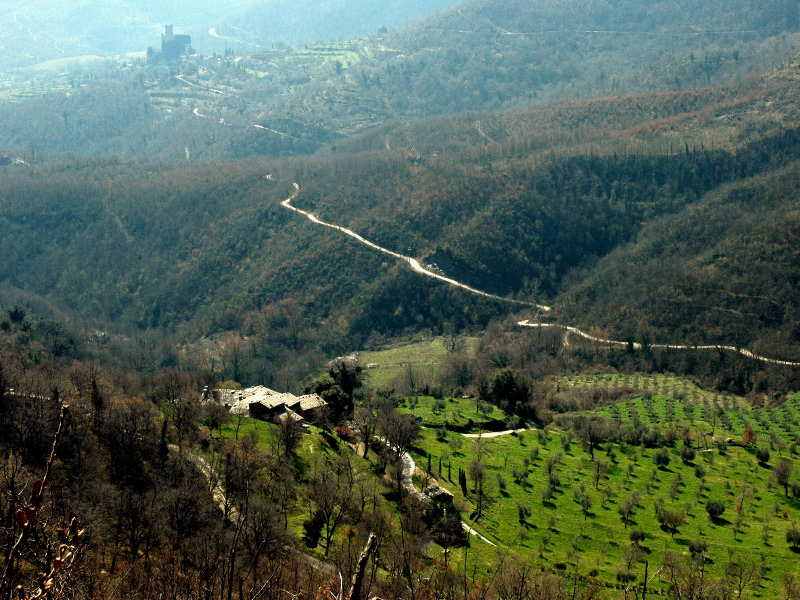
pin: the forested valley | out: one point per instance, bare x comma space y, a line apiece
537, 260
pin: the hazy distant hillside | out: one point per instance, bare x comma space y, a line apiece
478, 56
487, 54
38, 30
276, 21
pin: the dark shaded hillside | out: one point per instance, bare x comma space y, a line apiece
204, 249
524, 226
726, 268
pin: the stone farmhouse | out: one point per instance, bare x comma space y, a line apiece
262, 403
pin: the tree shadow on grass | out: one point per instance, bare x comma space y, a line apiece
330, 440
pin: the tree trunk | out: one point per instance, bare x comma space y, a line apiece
361, 567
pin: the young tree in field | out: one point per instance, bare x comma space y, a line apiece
790, 584
592, 430
674, 520
584, 500
626, 510
599, 469
793, 536
332, 493
782, 474
289, 434
399, 430
742, 570
477, 472
365, 418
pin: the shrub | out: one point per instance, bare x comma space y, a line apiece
523, 513
625, 576
715, 508
671, 436
687, 454
547, 494
749, 436
344, 432
793, 536
637, 536
762, 454
698, 548
501, 483
661, 457
699, 472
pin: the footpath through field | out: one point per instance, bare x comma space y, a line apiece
407, 483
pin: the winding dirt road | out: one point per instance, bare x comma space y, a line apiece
407, 482
418, 268
412, 262
638, 346
182, 79
491, 434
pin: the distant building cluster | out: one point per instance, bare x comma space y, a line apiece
262, 403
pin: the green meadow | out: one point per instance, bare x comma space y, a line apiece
535, 507
547, 502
